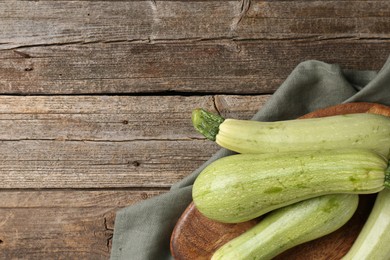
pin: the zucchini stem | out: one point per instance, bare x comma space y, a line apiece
206, 123
387, 177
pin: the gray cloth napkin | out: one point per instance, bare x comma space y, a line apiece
142, 231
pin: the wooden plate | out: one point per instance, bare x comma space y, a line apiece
197, 237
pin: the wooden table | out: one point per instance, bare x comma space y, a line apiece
96, 98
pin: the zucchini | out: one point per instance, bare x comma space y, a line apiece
290, 226
363, 130
241, 187
374, 239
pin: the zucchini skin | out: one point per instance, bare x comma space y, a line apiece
291, 226
360, 130
241, 187
373, 242
363, 130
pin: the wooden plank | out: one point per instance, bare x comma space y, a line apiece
61, 224
113, 118
221, 66
58, 22
324, 19
100, 118
82, 47
105, 142
64, 22
75, 198
70, 164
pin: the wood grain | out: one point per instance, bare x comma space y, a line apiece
105, 141
83, 47
113, 118
88, 164
62, 224
26, 23
221, 66
351, 19
69, 22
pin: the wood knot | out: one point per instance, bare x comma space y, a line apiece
125, 122
135, 163
144, 196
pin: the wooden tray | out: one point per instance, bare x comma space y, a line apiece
197, 237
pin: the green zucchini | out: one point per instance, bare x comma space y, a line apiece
241, 187
290, 226
363, 130
373, 242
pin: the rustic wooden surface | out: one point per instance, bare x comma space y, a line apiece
95, 99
